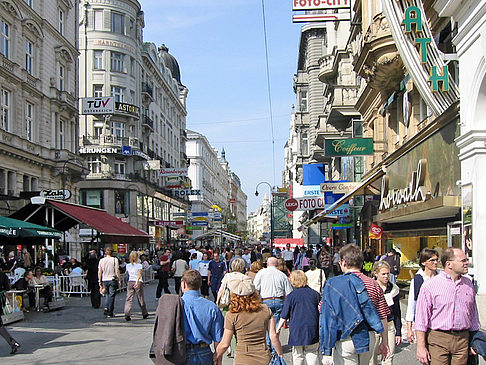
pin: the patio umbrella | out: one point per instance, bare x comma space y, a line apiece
14, 228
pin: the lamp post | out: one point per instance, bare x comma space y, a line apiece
271, 210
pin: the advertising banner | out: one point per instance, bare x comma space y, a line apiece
375, 232
101, 105
348, 147
339, 187
182, 171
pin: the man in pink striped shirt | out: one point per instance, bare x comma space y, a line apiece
446, 312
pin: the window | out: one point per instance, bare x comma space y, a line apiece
98, 60
61, 22
305, 144
98, 19
4, 38
97, 91
119, 167
5, 111
62, 75
132, 28
118, 129
61, 134
29, 121
117, 93
303, 100
29, 57
117, 23
94, 164
117, 61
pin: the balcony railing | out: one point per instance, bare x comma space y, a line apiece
147, 122
147, 89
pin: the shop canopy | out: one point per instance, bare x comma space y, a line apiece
14, 228
361, 189
283, 242
63, 216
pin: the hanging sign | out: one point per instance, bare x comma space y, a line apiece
61, 194
375, 232
101, 105
320, 4
348, 147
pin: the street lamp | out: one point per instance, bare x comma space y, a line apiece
271, 210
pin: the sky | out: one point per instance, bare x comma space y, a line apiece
220, 48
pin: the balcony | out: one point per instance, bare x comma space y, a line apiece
147, 93
133, 142
7, 64
327, 69
147, 123
379, 62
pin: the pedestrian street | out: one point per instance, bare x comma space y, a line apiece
79, 334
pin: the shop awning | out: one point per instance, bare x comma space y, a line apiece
361, 189
283, 242
14, 228
218, 233
66, 215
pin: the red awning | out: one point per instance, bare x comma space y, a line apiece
67, 215
293, 242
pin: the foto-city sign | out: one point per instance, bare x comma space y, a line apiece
320, 4
339, 187
311, 203
174, 172
100, 105
348, 147
60, 194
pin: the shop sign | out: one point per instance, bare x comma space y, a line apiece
306, 203
121, 248
99, 150
375, 232
126, 150
348, 147
174, 172
141, 154
186, 192
199, 214
312, 190
126, 108
110, 43
61, 194
412, 193
169, 223
100, 105
413, 15
151, 165
193, 228
200, 223
320, 4
339, 187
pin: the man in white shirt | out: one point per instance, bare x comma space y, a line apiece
110, 279
288, 256
247, 257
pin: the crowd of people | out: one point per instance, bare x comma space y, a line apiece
341, 315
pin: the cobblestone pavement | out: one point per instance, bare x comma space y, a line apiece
79, 334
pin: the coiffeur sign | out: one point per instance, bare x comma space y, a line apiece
348, 147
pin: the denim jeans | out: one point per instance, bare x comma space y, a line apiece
111, 287
276, 306
199, 356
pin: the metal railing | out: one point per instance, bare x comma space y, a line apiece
65, 285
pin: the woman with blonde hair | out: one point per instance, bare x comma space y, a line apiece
249, 320
282, 266
255, 267
134, 286
381, 272
301, 310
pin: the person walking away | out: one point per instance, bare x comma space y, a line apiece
134, 286
163, 274
300, 258
217, 269
393, 259
381, 272
288, 256
92, 277
315, 277
203, 321
178, 267
305, 260
4, 287
254, 268
203, 268
301, 310
194, 261
446, 312
249, 320
109, 279
325, 259
353, 307
336, 269
428, 260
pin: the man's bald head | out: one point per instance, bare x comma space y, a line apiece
272, 261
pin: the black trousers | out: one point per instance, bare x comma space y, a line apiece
4, 333
177, 283
95, 295
289, 264
205, 286
163, 283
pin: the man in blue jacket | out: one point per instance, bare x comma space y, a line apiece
353, 308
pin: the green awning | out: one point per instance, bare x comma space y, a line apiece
14, 228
